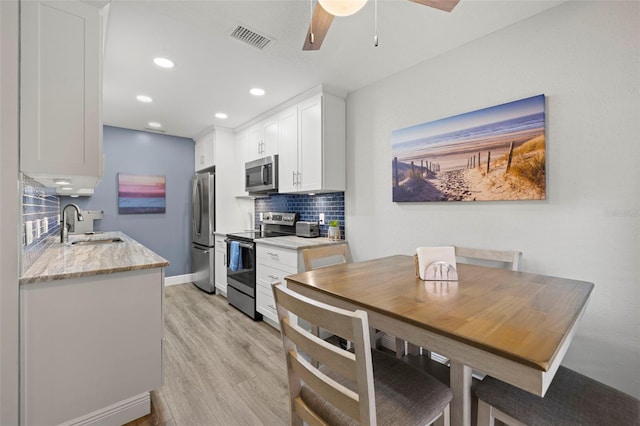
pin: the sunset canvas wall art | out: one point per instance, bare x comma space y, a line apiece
141, 194
496, 153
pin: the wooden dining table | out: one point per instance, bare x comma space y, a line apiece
514, 326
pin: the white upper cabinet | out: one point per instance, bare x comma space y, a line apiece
288, 150
263, 139
61, 92
205, 150
312, 146
241, 142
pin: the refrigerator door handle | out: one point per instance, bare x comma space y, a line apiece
197, 207
199, 249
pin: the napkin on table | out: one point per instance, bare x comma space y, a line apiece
428, 255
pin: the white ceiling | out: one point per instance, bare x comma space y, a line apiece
214, 73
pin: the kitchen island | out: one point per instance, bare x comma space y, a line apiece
91, 331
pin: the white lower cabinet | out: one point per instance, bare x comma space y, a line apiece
221, 265
273, 265
91, 348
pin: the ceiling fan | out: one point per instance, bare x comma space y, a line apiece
323, 16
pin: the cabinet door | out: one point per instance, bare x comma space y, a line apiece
255, 143
241, 142
61, 89
204, 151
270, 137
310, 158
288, 150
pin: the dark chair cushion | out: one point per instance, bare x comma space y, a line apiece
572, 399
404, 394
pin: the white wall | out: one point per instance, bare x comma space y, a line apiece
9, 213
584, 56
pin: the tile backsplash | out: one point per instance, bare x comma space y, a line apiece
308, 206
40, 220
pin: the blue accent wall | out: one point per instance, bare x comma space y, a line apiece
309, 207
145, 153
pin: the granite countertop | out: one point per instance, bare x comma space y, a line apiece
62, 261
297, 243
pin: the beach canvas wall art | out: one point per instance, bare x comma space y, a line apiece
496, 153
141, 194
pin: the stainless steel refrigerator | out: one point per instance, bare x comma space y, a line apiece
203, 226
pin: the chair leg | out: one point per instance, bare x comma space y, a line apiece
412, 349
485, 417
399, 348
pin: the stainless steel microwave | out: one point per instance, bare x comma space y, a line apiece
261, 175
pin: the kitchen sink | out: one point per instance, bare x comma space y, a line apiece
103, 241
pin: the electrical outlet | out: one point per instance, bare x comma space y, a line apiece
321, 218
260, 216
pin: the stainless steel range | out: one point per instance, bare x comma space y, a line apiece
241, 259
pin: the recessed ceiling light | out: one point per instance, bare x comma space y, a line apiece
163, 62
143, 98
221, 115
66, 188
60, 181
154, 124
256, 91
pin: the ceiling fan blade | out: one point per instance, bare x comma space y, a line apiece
320, 23
446, 5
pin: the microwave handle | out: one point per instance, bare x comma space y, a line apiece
264, 175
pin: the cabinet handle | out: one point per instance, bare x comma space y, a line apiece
272, 307
272, 254
274, 278
299, 180
293, 179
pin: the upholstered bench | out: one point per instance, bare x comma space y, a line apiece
572, 399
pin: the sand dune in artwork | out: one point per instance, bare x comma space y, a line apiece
454, 180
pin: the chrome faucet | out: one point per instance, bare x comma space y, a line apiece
64, 231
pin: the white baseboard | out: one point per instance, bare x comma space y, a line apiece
117, 414
178, 279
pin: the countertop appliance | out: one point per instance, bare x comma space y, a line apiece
261, 175
241, 259
307, 229
203, 226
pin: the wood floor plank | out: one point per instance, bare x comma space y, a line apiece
220, 367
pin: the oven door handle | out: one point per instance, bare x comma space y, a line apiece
245, 245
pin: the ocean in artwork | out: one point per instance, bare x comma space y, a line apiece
141, 194
497, 153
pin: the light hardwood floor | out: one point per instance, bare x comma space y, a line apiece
220, 367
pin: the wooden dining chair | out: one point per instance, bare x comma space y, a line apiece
365, 386
500, 258
317, 257
571, 400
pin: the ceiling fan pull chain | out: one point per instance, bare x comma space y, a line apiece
375, 23
311, 37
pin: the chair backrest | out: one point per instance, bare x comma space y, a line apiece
318, 257
299, 345
506, 257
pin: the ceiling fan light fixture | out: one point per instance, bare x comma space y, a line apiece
342, 7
